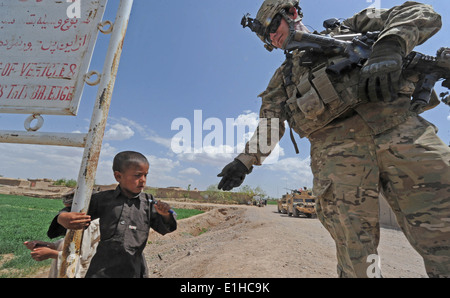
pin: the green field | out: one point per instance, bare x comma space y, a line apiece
185, 213
23, 219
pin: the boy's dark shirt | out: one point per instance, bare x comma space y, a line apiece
124, 229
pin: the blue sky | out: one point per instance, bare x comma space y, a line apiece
186, 58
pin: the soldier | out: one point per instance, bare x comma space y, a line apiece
365, 139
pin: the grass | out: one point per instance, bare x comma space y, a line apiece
185, 213
25, 218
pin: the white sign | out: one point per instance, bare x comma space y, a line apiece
45, 50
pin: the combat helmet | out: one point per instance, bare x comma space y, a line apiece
266, 14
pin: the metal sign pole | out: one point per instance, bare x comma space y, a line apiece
88, 169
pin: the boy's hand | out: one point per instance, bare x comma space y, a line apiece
74, 220
43, 253
32, 244
162, 208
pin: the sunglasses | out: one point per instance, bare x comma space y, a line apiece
273, 27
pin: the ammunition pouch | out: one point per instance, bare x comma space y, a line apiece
317, 99
310, 103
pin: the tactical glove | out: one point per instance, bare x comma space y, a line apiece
233, 174
380, 75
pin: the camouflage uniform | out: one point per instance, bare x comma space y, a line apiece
368, 148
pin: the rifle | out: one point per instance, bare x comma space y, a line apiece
431, 69
357, 49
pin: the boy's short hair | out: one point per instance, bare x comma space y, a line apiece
68, 197
125, 159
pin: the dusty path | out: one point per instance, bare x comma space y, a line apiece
252, 242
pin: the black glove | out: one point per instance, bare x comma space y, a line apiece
233, 174
380, 75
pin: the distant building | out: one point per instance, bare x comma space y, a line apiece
175, 188
14, 182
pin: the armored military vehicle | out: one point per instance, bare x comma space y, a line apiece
298, 203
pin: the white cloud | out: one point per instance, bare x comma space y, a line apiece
53, 162
160, 171
212, 155
292, 173
118, 132
216, 154
249, 119
190, 171
166, 142
37, 161
293, 166
145, 132
223, 150
161, 165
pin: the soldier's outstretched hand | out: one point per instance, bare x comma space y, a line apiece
233, 174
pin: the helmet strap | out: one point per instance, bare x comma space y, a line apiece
291, 24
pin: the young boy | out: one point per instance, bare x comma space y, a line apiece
126, 214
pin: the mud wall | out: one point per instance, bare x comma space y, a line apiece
14, 182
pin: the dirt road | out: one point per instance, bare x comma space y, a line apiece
253, 242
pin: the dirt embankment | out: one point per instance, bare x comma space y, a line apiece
252, 242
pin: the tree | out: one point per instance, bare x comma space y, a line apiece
248, 190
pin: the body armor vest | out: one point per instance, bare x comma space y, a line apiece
315, 98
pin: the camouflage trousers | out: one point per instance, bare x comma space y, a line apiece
409, 165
